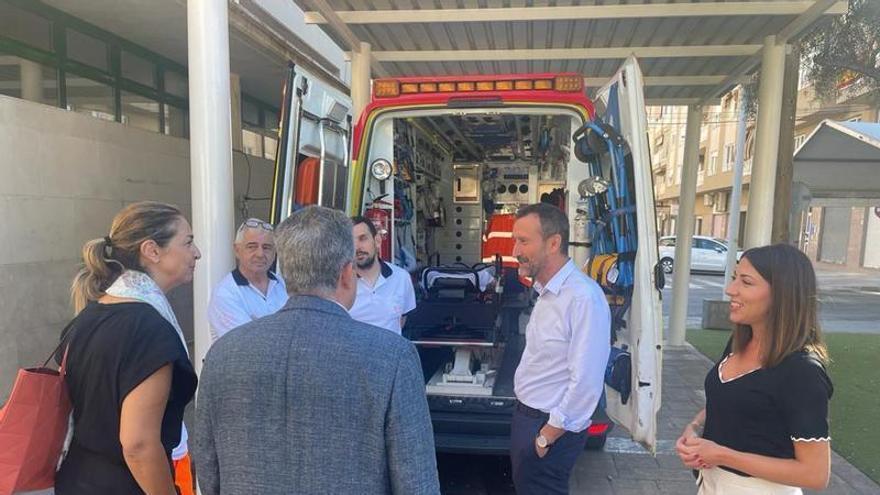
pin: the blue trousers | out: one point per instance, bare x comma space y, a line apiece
541, 475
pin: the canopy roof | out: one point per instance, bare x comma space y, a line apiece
690, 51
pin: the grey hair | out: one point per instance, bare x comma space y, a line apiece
243, 229
553, 221
314, 245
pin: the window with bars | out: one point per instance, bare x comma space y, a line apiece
63, 61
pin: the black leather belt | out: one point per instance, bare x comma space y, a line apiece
530, 411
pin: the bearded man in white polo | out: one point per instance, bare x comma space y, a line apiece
385, 292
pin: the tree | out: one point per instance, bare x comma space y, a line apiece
844, 49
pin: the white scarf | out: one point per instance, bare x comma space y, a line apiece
133, 284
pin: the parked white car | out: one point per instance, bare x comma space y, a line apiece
707, 254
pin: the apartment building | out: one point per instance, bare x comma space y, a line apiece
836, 235
666, 127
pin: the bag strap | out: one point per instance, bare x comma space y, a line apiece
65, 338
62, 370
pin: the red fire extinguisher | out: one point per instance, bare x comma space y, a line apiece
380, 213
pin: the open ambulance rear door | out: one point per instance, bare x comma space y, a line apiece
312, 162
621, 104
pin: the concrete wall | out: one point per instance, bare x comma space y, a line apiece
856, 242
63, 176
854, 232
834, 238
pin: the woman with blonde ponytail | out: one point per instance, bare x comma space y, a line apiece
128, 368
99, 270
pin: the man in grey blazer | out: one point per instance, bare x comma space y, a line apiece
309, 400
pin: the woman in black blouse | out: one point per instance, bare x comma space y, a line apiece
765, 425
128, 370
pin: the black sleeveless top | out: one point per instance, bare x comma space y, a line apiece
112, 349
765, 411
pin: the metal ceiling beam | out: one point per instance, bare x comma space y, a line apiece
664, 81
640, 11
351, 41
378, 71
337, 25
566, 53
803, 21
791, 30
739, 73
681, 102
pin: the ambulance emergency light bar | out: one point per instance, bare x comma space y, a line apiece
390, 88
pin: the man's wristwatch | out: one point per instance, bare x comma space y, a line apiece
542, 442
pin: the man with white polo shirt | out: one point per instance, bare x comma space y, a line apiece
251, 290
385, 292
560, 377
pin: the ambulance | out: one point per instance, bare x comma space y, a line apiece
440, 166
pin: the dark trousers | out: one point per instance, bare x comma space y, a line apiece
541, 475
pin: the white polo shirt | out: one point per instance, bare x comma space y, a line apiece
387, 301
235, 301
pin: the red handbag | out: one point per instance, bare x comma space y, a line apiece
33, 426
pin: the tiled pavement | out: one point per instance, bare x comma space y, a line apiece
625, 469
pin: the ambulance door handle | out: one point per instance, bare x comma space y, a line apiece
346, 136
321, 163
659, 278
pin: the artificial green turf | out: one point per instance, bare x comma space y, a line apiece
855, 406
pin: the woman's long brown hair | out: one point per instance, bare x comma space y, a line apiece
792, 323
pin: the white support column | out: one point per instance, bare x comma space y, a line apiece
736, 191
759, 219
360, 79
684, 230
210, 155
31, 80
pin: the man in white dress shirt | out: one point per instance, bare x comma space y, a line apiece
252, 290
385, 292
560, 377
